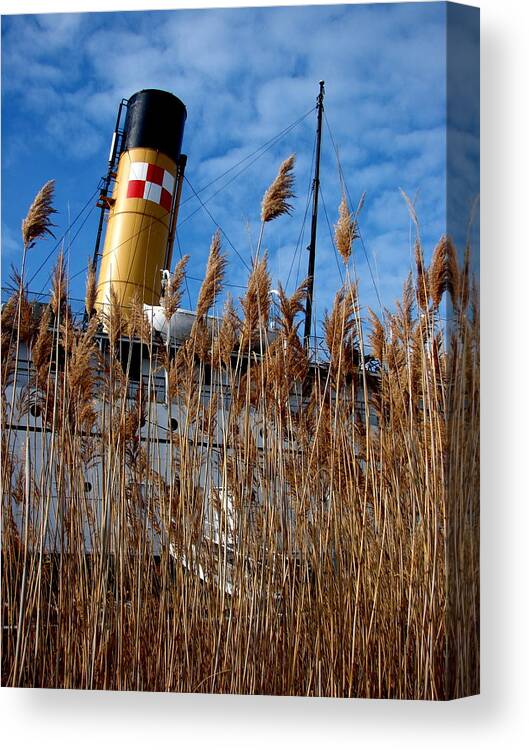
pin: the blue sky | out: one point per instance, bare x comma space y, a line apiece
244, 75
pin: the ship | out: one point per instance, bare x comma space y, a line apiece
139, 205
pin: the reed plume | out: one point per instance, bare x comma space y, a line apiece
42, 347
226, 340
17, 313
345, 230
422, 282
289, 307
113, 317
339, 325
287, 360
58, 297
242, 530
406, 308
256, 302
137, 324
275, 201
377, 336
173, 290
83, 365
464, 292
91, 289
38, 222
444, 272
340, 330
212, 284
16, 325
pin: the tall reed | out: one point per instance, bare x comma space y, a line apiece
286, 528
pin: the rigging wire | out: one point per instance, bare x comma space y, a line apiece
301, 235
70, 244
263, 149
338, 265
217, 224
344, 183
11, 289
185, 275
46, 259
271, 143
298, 268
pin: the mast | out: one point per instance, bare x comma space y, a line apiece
104, 201
315, 193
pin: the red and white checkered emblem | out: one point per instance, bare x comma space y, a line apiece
152, 183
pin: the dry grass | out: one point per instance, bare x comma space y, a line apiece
345, 230
444, 274
38, 222
351, 551
275, 201
91, 289
215, 270
173, 290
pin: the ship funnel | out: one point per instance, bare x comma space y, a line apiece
142, 209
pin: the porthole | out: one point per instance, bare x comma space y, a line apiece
88, 486
35, 410
174, 424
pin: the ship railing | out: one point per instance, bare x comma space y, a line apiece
318, 350
25, 373
360, 410
153, 386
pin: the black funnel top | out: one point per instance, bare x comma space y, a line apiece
155, 119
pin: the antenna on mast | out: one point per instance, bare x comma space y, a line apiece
315, 193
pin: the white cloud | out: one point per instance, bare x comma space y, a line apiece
11, 247
244, 75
